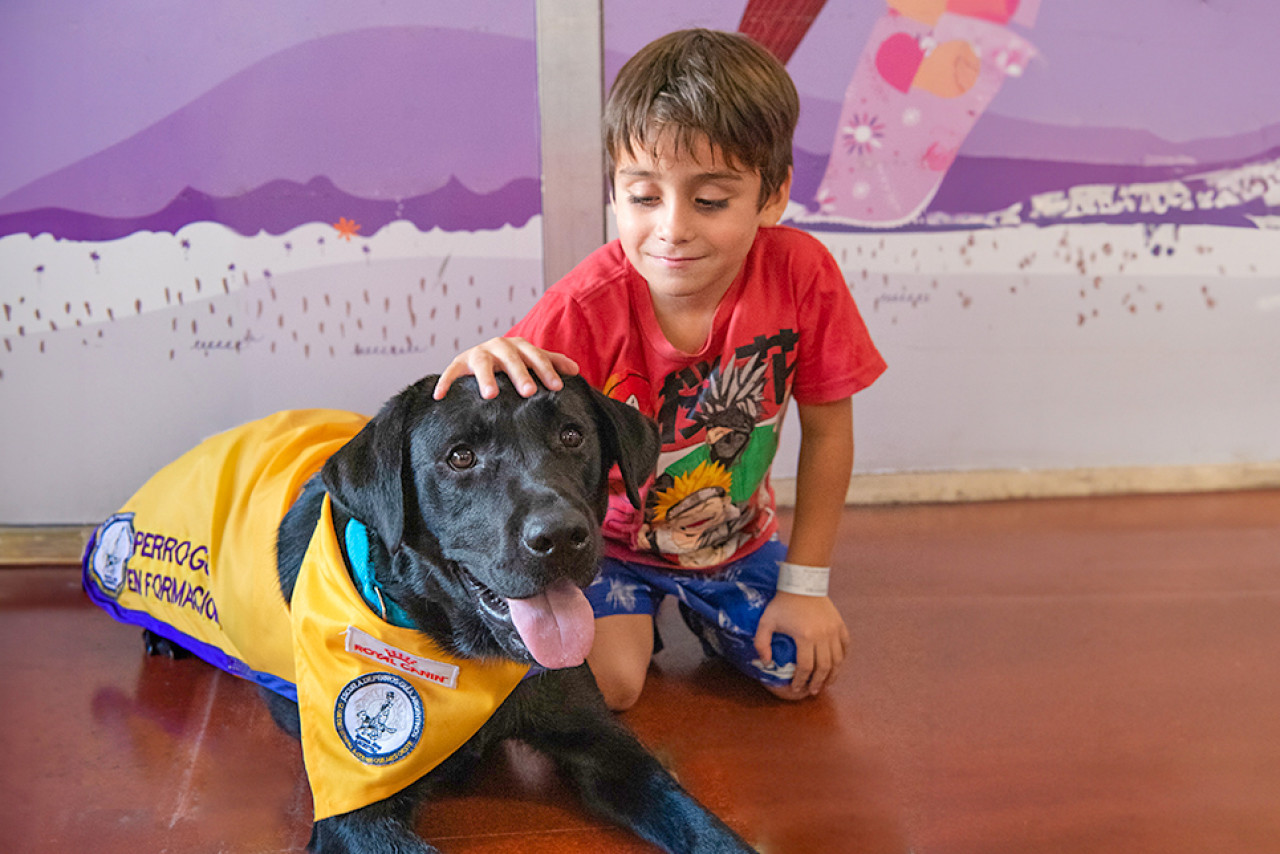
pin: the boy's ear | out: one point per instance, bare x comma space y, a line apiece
776, 205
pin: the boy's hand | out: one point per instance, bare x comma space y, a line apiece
821, 637
513, 357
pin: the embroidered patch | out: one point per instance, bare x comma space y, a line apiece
112, 548
378, 716
437, 672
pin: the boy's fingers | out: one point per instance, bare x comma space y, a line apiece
474, 362
515, 357
520, 378
804, 667
454, 370
822, 670
520, 361
549, 375
838, 653
442, 385
507, 358
485, 379
839, 650
549, 367
523, 368
564, 365
764, 642
828, 654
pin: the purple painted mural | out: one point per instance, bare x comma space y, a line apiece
353, 124
243, 208
212, 211
927, 114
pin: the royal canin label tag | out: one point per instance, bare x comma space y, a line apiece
436, 672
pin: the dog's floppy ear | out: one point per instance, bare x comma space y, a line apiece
627, 438
366, 475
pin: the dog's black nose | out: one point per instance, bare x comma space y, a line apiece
551, 537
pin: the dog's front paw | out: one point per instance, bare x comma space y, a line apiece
356, 834
157, 645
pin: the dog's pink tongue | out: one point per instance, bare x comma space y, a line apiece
557, 626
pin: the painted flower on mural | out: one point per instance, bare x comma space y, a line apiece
863, 134
1013, 60
346, 228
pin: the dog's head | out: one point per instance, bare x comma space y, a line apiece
490, 510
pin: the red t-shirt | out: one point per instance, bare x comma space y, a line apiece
787, 327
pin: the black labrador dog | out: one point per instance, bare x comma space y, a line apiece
484, 520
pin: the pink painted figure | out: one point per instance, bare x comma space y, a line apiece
929, 70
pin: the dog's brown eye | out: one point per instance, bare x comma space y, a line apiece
571, 436
461, 458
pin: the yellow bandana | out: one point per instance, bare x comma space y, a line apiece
380, 705
192, 557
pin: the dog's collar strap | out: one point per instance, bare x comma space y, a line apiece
356, 538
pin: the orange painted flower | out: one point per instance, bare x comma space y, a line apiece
346, 228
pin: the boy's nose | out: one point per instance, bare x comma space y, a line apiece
674, 224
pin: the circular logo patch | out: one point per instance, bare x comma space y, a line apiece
113, 546
379, 718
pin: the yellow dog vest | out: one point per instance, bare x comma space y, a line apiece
191, 556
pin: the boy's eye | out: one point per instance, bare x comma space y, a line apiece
701, 204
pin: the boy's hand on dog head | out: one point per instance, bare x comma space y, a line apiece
515, 357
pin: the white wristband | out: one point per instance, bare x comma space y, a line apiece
803, 580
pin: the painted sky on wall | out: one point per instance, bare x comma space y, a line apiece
431, 121
1171, 67
65, 96
109, 122
1143, 111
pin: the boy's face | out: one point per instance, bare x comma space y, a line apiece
686, 222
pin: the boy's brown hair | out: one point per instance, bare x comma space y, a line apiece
706, 83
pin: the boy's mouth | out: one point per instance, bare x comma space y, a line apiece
674, 260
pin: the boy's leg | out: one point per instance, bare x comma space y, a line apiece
724, 611
624, 606
619, 658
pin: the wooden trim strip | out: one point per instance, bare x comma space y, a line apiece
50, 545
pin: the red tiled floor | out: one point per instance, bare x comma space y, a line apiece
1084, 675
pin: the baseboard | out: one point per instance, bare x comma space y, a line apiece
50, 545
1006, 484
42, 545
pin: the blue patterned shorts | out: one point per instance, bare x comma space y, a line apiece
723, 609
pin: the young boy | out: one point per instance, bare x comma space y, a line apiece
708, 317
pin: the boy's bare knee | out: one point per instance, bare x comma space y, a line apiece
620, 658
620, 693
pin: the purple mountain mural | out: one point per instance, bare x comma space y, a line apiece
986, 185
362, 118
362, 125
279, 206
1001, 136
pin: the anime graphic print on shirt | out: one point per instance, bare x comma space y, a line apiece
719, 424
786, 328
